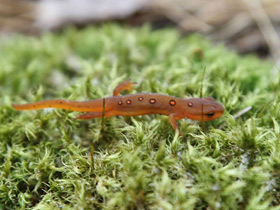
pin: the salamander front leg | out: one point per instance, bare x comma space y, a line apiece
174, 124
125, 85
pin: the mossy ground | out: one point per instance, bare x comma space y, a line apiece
48, 160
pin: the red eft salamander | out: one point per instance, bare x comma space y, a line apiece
203, 109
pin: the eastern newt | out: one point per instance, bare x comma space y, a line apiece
202, 109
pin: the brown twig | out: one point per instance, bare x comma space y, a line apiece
266, 27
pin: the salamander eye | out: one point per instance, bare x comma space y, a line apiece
210, 114
190, 104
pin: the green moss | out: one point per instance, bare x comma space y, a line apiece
50, 161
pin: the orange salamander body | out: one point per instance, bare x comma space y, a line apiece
202, 109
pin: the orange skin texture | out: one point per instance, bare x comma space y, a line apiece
202, 109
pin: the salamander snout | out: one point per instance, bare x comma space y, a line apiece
204, 109
213, 111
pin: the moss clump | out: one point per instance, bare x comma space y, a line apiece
50, 161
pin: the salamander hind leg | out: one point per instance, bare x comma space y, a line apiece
125, 85
92, 115
89, 115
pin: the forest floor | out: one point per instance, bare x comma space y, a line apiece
49, 160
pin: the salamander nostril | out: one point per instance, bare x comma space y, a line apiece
210, 114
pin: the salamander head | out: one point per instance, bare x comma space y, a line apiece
203, 109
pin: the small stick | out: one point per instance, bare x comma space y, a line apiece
238, 114
242, 112
103, 114
201, 95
